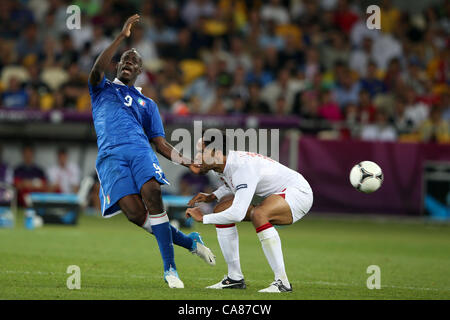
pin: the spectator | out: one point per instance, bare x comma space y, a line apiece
160, 33
344, 16
238, 105
99, 41
64, 177
146, 49
435, 129
239, 85
386, 48
312, 65
360, 32
311, 121
6, 180
391, 16
28, 43
293, 54
281, 107
238, 55
359, 59
366, 108
258, 73
284, 85
204, 89
194, 9
255, 105
415, 77
274, 11
6, 173
347, 90
415, 110
73, 89
15, 97
335, 49
393, 74
28, 177
371, 82
444, 103
68, 54
239, 42
270, 38
381, 130
182, 49
328, 108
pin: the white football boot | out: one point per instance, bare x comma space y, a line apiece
276, 287
172, 279
201, 250
228, 283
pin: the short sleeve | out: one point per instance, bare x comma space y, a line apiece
94, 89
154, 126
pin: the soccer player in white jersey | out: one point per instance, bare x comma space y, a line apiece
287, 198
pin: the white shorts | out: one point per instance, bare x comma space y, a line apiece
299, 201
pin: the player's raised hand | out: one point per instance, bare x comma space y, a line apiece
202, 197
126, 30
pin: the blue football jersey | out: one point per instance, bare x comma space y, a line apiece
123, 116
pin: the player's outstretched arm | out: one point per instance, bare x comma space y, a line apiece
202, 197
106, 56
164, 148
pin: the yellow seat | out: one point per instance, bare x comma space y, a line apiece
46, 102
191, 69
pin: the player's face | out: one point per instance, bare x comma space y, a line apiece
129, 66
204, 157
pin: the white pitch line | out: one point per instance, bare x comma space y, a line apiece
320, 283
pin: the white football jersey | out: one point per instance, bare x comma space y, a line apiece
247, 174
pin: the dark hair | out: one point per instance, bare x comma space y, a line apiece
62, 150
27, 145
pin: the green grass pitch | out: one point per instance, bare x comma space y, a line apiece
326, 258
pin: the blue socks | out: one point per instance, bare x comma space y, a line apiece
167, 235
163, 232
180, 239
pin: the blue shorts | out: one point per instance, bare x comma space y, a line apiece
123, 171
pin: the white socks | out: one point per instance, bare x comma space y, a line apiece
229, 243
147, 224
271, 244
270, 241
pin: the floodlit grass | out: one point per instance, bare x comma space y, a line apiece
326, 258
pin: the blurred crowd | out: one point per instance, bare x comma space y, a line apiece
28, 176
315, 59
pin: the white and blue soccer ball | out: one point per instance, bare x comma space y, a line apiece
366, 176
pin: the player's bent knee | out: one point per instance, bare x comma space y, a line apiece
136, 216
257, 213
152, 196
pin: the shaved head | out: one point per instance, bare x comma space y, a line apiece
129, 66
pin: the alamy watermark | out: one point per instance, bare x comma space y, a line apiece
374, 280
73, 21
74, 280
253, 140
374, 19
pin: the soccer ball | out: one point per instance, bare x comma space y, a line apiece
366, 176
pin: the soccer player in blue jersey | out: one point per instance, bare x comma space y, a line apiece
130, 176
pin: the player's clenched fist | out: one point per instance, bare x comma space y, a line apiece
202, 197
196, 213
126, 30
